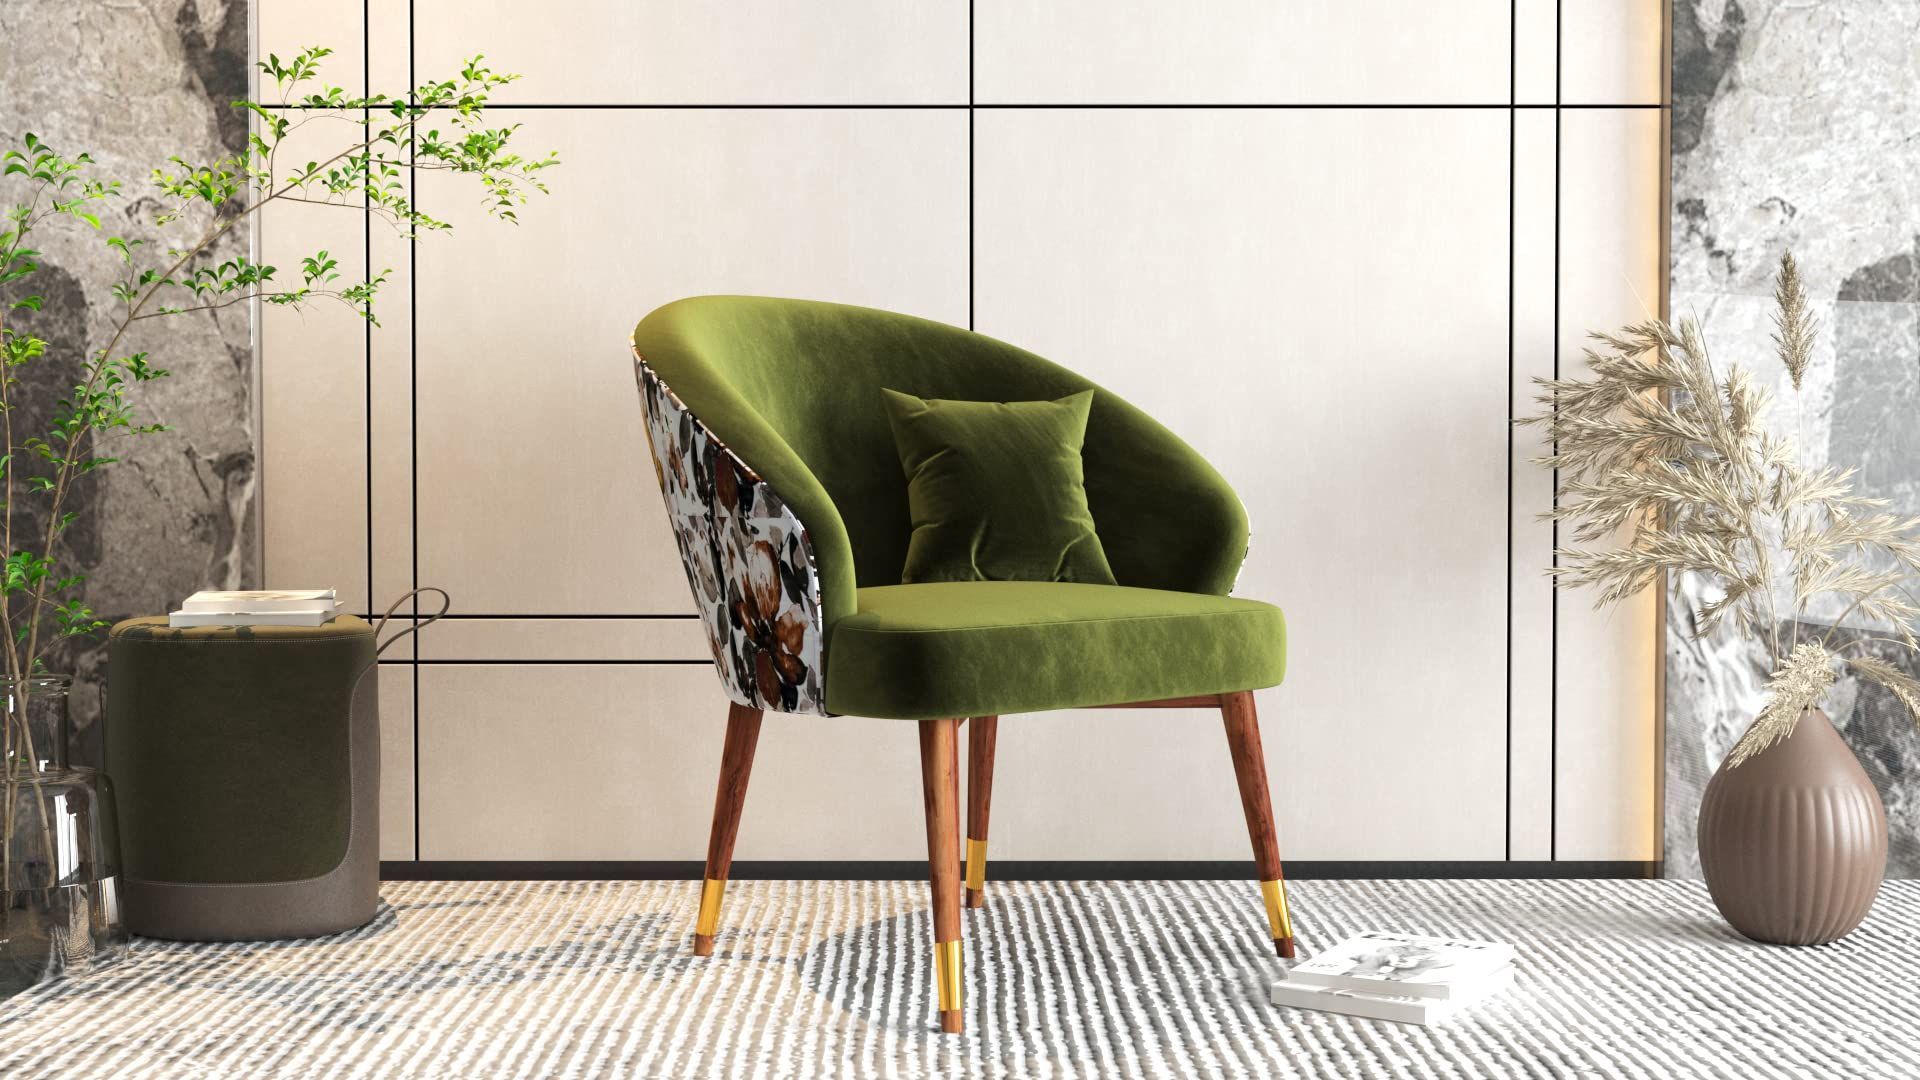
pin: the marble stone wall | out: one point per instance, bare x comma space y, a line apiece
1795, 128
133, 83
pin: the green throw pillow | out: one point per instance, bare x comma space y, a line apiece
996, 491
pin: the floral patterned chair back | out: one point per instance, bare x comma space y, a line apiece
747, 558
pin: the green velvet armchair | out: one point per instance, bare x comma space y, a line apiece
790, 509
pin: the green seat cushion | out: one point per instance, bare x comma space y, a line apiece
981, 648
996, 490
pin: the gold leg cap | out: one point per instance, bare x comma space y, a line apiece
946, 975
975, 895
1274, 893
703, 928
976, 864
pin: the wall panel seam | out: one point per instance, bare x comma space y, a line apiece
1553, 759
413, 433
1513, 34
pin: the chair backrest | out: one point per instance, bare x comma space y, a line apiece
792, 383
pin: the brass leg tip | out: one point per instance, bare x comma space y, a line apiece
976, 898
951, 1024
1283, 946
703, 944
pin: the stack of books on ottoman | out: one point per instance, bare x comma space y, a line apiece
1415, 980
265, 607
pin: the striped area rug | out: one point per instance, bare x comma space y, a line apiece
1123, 979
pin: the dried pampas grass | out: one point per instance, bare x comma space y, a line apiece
1658, 442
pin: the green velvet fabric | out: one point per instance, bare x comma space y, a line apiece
996, 490
229, 747
792, 387
982, 648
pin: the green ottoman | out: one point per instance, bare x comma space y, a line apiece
247, 764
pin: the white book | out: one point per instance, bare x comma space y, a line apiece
1403, 965
257, 600
315, 617
1388, 1006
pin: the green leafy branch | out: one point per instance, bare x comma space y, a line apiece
437, 126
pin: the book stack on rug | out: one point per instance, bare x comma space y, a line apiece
1403, 977
263, 607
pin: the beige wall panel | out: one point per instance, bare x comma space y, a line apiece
1609, 276
360, 33
388, 46
1153, 784
619, 762
1534, 347
315, 487
368, 39
1334, 339
1219, 51
565, 639
630, 755
536, 494
285, 27
396, 761
1535, 23
313, 397
1610, 52
391, 449
724, 52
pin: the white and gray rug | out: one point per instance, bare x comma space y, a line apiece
1129, 979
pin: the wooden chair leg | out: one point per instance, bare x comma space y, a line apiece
939, 771
1250, 769
980, 738
959, 813
736, 763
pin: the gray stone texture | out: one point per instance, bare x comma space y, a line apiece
134, 82
1795, 128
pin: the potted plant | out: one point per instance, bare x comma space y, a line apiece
1667, 454
58, 909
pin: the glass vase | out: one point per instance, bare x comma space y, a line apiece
59, 847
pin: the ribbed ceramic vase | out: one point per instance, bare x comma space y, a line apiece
1793, 842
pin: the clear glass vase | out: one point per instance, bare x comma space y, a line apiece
59, 847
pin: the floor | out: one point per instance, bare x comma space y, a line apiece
1134, 979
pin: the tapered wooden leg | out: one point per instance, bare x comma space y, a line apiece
939, 772
1250, 769
980, 736
959, 815
736, 763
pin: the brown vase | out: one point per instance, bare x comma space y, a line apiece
1793, 842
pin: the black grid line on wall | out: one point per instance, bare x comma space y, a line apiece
1513, 123
1553, 698
1513, 106
413, 432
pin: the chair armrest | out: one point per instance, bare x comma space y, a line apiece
1167, 518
